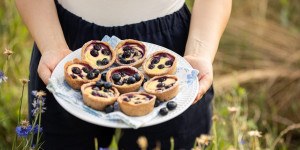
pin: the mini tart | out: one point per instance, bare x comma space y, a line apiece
99, 54
98, 98
79, 72
124, 84
136, 103
160, 63
130, 53
163, 87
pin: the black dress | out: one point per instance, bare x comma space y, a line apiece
64, 131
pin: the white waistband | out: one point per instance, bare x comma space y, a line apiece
121, 12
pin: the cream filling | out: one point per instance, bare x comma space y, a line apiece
69, 70
93, 59
153, 84
162, 60
138, 98
136, 48
109, 94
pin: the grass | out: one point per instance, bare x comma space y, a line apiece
256, 70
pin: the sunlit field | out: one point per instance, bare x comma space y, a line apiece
256, 76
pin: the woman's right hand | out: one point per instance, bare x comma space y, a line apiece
48, 62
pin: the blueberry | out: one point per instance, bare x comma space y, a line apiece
144, 81
151, 66
76, 70
130, 96
161, 79
157, 103
171, 105
105, 61
137, 77
74, 77
169, 63
90, 75
166, 87
131, 61
137, 53
124, 61
131, 80
107, 85
97, 46
103, 76
122, 74
105, 52
94, 53
155, 61
138, 102
86, 70
132, 51
99, 84
161, 66
126, 54
96, 88
106, 90
159, 85
126, 99
96, 72
127, 48
109, 108
94, 93
125, 81
163, 111
99, 63
116, 77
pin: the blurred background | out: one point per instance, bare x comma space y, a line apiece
256, 70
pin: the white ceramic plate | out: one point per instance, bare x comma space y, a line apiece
71, 100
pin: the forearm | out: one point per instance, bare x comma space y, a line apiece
40, 17
209, 19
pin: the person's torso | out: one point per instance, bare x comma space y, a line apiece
121, 12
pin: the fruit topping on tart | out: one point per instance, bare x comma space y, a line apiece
164, 87
160, 63
99, 94
98, 54
125, 78
79, 72
130, 53
136, 103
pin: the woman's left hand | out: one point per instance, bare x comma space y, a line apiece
205, 76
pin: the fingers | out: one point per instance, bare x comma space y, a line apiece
204, 84
44, 73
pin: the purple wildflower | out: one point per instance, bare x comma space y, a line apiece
104, 148
2, 77
38, 102
36, 129
242, 142
23, 131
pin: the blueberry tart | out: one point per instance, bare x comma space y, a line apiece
130, 53
98, 95
160, 63
99, 54
125, 78
163, 87
136, 103
79, 72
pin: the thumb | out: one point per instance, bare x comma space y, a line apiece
44, 73
204, 84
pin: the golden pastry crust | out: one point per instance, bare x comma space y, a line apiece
166, 94
169, 71
76, 83
98, 103
93, 64
140, 109
136, 64
125, 88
